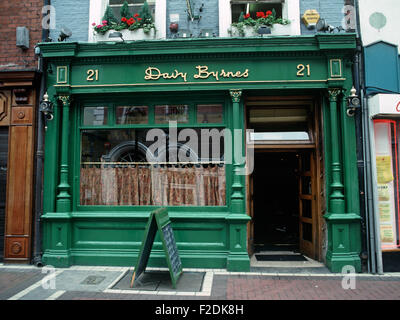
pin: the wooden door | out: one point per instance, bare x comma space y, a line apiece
3, 184
307, 204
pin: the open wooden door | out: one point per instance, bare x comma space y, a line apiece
307, 204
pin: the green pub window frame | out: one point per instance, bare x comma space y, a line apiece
123, 173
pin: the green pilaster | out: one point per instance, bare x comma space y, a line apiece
342, 224
64, 198
238, 258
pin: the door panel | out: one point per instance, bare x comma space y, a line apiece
307, 204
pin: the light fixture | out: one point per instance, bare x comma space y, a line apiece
353, 102
323, 26
64, 34
116, 35
46, 107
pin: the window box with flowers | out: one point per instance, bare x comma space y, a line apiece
248, 26
140, 26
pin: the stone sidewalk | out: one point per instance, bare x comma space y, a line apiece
112, 283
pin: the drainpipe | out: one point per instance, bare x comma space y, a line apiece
39, 159
361, 161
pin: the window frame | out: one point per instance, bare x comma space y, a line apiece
98, 7
290, 11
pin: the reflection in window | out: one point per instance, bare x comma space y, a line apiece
134, 7
209, 113
253, 6
120, 167
95, 116
166, 113
132, 115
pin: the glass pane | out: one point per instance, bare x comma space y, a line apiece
121, 167
306, 185
179, 113
306, 206
252, 7
209, 113
132, 115
305, 162
278, 119
95, 116
278, 136
386, 150
307, 231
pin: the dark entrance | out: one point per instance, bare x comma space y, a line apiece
276, 201
3, 184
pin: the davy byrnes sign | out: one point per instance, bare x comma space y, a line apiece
201, 72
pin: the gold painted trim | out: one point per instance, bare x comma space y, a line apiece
191, 83
340, 66
66, 74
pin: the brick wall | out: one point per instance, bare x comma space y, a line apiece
208, 21
73, 14
15, 14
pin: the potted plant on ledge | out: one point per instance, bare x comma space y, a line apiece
139, 26
248, 26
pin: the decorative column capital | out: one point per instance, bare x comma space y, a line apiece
235, 95
66, 100
334, 93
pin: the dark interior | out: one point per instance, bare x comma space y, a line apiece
276, 217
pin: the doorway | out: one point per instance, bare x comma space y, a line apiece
284, 202
275, 201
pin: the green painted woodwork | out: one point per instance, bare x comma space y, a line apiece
207, 237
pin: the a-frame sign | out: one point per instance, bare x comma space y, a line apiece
159, 220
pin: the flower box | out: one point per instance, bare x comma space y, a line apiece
281, 30
127, 35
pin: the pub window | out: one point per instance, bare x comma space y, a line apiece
253, 6
134, 6
387, 148
136, 162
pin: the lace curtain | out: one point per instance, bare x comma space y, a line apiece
153, 185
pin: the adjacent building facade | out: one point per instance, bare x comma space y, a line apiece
19, 96
381, 93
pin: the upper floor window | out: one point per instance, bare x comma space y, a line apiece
251, 7
133, 5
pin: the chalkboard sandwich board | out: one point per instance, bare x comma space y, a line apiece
159, 220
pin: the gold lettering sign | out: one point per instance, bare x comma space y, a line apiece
201, 72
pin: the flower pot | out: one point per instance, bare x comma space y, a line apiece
248, 31
127, 35
281, 29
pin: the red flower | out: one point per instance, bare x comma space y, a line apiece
268, 13
138, 19
131, 21
247, 16
136, 15
260, 15
123, 19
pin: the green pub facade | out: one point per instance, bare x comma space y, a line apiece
282, 99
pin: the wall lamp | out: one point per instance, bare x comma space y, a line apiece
46, 107
353, 102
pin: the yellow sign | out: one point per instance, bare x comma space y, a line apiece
310, 18
387, 234
385, 213
384, 169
